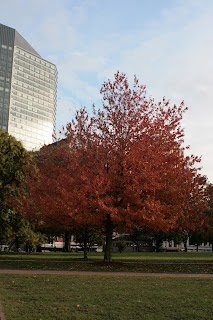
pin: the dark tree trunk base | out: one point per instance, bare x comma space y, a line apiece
67, 239
85, 243
108, 245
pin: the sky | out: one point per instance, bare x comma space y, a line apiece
167, 44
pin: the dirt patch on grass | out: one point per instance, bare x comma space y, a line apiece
2, 317
102, 273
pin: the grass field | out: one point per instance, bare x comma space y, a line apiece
132, 262
186, 256
115, 298
45, 297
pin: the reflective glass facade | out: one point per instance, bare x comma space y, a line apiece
28, 88
7, 36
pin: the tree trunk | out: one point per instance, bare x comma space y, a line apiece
185, 246
16, 244
108, 244
158, 242
137, 246
67, 238
197, 247
85, 242
38, 248
27, 247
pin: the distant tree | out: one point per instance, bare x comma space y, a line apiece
21, 234
204, 232
121, 246
198, 237
88, 237
14, 162
136, 236
139, 235
46, 202
209, 214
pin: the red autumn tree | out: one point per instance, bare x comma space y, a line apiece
123, 167
56, 196
132, 164
45, 199
209, 214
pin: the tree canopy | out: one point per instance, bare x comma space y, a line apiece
14, 160
122, 167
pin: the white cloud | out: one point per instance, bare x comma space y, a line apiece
174, 58
170, 49
66, 111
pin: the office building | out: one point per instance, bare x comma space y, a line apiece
28, 91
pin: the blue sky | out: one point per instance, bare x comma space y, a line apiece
168, 44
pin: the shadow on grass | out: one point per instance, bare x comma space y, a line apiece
115, 266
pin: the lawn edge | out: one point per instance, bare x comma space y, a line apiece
102, 273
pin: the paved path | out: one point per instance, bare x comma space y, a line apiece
92, 273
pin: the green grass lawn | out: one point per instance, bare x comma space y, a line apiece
132, 262
185, 256
52, 297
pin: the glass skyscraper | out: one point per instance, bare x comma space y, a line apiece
28, 91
